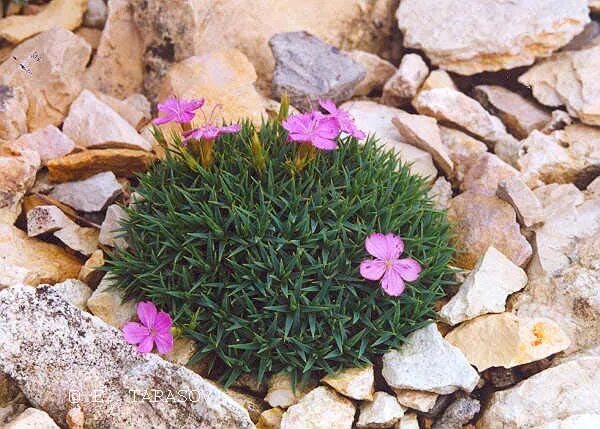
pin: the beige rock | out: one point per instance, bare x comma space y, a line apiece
141, 104
409, 421
75, 417
438, 79
224, 78
407, 80
320, 408
17, 175
42, 219
75, 292
117, 68
96, 14
32, 418
516, 193
576, 421
559, 120
127, 111
441, 193
383, 412
506, 340
481, 221
90, 273
281, 394
66, 14
569, 79
55, 79
109, 231
84, 164
250, 403
13, 112
464, 150
89, 195
92, 123
423, 132
107, 303
595, 6
470, 37
49, 142
29, 261
378, 72
80, 239
355, 383
183, 350
416, 399
520, 115
270, 419
486, 173
486, 288
91, 36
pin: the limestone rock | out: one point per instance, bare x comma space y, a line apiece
56, 365
481, 221
281, 394
17, 174
80, 239
441, 193
250, 403
506, 340
438, 79
91, 123
309, 70
355, 383
96, 14
486, 173
87, 163
141, 104
224, 78
416, 399
407, 80
42, 219
409, 421
32, 418
321, 407
270, 419
127, 111
376, 119
516, 193
382, 412
49, 142
553, 395
117, 68
13, 112
520, 115
91, 36
464, 150
465, 38
595, 6
88, 195
486, 288
577, 421
378, 72
427, 362
55, 79
66, 14
423, 132
569, 79
73, 291
107, 303
559, 120
458, 413
90, 273
109, 231
29, 261
183, 350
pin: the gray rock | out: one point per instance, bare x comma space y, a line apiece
459, 413
96, 14
89, 195
32, 418
307, 69
110, 234
75, 292
60, 356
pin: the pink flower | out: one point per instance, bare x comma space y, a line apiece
387, 266
313, 127
180, 111
155, 328
209, 132
345, 120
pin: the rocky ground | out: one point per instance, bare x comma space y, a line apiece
497, 102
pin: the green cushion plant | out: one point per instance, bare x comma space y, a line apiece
255, 250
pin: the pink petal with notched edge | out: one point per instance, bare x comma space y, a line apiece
134, 332
395, 246
327, 127
392, 282
146, 345
328, 105
324, 144
164, 343
376, 245
372, 269
163, 322
147, 313
408, 268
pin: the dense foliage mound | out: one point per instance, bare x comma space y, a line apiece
259, 263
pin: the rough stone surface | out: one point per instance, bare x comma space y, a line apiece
378, 72
42, 219
107, 303
13, 112
416, 399
516, 193
88, 195
135, 117
90, 272
441, 193
55, 79
17, 175
486, 288
569, 79
321, 407
49, 142
92, 123
409, 421
80, 239
96, 13
559, 120
270, 419
32, 418
87, 163
438, 79
309, 70
109, 231
25, 260
75, 292
281, 394
427, 362
355, 383
56, 359
520, 115
183, 350
465, 38
553, 395
464, 150
486, 173
407, 80
250, 403
382, 412
458, 413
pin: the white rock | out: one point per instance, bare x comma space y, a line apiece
183, 350
407, 80
17, 175
441, 193
96, 13
471, 36
355, 383
88, 195
438, 79
516, 193
486, 288
281, 394
75, 292
577, 421
320, 408
13, 111
428, 362
409, 421
464, 150
49, 142
416, 399
109, 231
81, 239
42, 219
382, 412
378, 72
32, 418
107, 303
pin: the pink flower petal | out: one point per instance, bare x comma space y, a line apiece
392, 283
147, 313
328, 127
395, 246
328, 105
164, 343
163, 322
323, 143
376, 245
134, 332
230, 129
372, 269
146, 345
408, 268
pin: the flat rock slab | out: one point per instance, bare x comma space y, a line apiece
89, 195
59, 356
307, 69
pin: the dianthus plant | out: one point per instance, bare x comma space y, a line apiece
253, 239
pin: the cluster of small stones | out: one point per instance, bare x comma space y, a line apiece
513, 155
